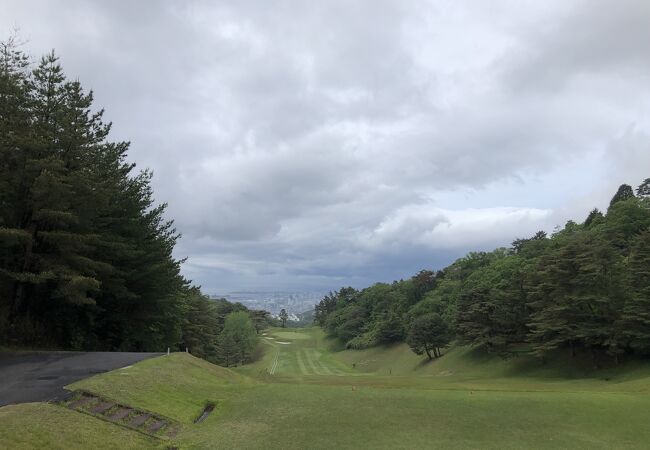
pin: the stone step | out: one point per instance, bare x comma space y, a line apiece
101, 407
138, 421
157, 425
83, 401
120, 414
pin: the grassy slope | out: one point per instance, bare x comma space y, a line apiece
317, 399
177, 386
46, 426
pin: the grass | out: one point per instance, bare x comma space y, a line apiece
177, 386
303, 393
321, 416
46, 426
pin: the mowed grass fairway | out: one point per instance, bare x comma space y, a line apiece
302, 395
296, 353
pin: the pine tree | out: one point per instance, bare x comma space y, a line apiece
199, 327
576, 295
644, 189
634, 325
53, 261
15, 121
595, 217
85, 253
623, 193
491, 309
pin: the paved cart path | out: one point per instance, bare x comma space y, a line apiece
41, 376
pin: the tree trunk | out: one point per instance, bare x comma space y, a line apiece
426, 349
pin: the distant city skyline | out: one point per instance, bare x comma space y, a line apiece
294, 302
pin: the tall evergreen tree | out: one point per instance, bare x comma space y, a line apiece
576, 296
634, 325
623, 193
644, 189
85, 253
491, 309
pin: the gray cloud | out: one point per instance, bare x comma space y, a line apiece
311, 145
593, 39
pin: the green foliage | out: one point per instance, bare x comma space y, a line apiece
623, 193
85, 251
594, 218
585, 288
237, 340
427, 334
644, 189
200, 325
577, 295
491, 309
261, 319
634, 325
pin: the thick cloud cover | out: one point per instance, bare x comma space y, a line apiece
308, 145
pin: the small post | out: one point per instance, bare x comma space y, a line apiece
167, 351
186, 350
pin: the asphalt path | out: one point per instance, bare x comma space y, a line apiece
41, 376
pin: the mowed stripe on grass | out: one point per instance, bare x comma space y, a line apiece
310, 361
301, 364
274, 366
303, 357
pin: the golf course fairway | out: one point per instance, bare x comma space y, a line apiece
301, 394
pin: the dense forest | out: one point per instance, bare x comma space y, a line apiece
85, 252
585, 288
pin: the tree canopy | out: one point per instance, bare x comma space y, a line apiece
86, 253
585, 288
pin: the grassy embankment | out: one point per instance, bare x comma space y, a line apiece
303, 395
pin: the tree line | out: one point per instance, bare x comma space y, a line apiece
85, 251
585, 288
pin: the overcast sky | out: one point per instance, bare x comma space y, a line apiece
308, 145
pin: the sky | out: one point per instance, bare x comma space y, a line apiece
314, 145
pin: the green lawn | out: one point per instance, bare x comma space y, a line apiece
301, 394
177, 386
46, 426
